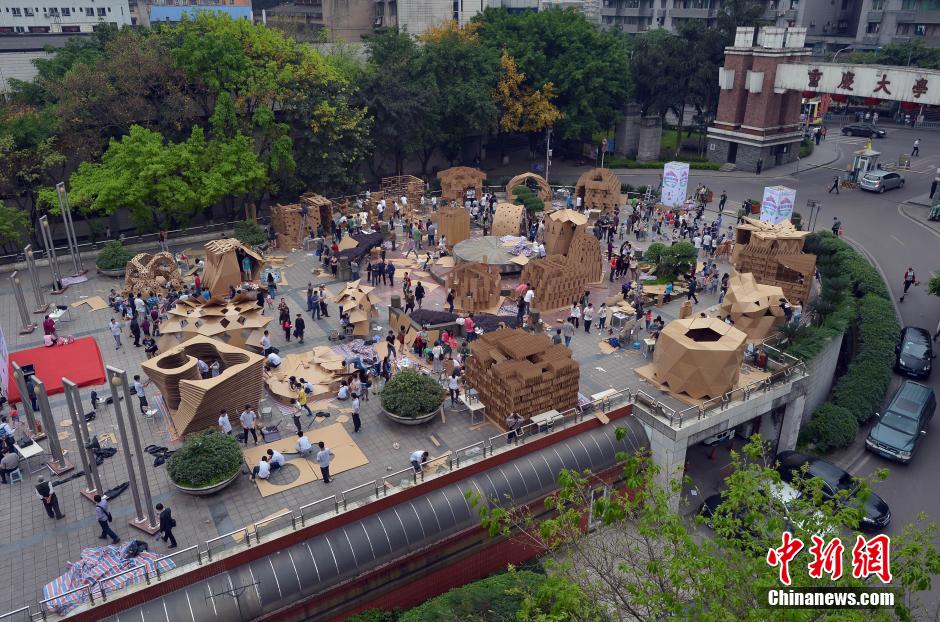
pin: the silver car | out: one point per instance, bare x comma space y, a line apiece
879, 181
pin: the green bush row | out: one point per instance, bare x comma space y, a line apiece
831, 427
615, 162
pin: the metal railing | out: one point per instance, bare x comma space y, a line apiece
197, 559
224, 537
267, 521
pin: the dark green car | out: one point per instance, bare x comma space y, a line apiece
901, 427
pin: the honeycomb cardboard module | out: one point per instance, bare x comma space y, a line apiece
600, 190
507, 220
156, 273
773, 253
475, 285
513, 370
754, 308
454, 224
238, 322
461, 182
292, 222
555, 284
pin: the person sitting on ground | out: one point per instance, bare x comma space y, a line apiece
150, 346
304, 447
343, 393
273, 361
276, 459
262, 471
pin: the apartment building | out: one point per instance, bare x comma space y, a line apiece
887, 21
61, 16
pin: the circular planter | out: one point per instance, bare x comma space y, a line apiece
414, 420
208, 490
115, 272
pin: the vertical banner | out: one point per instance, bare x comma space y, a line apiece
777, 204
675, 183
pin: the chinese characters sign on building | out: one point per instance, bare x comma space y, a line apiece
893, 83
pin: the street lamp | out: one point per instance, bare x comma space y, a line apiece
548, 151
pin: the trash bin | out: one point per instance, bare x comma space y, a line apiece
396, 302
342, 269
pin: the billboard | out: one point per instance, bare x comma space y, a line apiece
777, 204
675, 183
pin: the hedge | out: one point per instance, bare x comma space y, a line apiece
625, 163
865, 305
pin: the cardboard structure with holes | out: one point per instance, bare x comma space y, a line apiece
600, 190
457, 180
541, 187
238, 322
320, 366
156, 273
700, 357
393, 188
513, 370
754, 308
559, 280
774, 255
454, 224
560, 227
289, 220
475, 285
224, 265
507, 220
358, 301
194, 403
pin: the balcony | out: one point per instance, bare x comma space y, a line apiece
905, 17
617, 8
693, 13
927, 17
875, 16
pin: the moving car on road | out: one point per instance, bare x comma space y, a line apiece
879, 181
863, 129
876, 515
903, 424
914, 353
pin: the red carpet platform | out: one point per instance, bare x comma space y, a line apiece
80, 362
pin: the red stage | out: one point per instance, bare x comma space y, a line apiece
80, 362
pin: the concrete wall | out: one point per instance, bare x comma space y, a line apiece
650, 139
19, 66
820, 372
628, 132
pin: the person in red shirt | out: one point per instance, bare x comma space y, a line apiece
48, 327
468, 328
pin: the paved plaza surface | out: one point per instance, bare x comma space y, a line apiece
39, 547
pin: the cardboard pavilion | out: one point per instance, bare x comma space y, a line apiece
458, 180
454, 224
774, 255
535, 182
600, 190
754, 308
147, 273
574, 260
700, 357
475, 285
358, 301
224, 265
239, 322
507, 220
292, 226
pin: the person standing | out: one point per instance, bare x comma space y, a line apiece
324, 457
357, 422
513, 423
225, 425
693, 287
722, 201
324, 310
916, 151
203, 368
46, 492
419, 293
139, 392
836, 226
834, 185
910, 278
103, 516
115, 329
567, 330
135, 329
167, 523
528, 297
453, 386
760, 165
248, 419
265, 344
575, 315
450, 301
588, 317
299, 327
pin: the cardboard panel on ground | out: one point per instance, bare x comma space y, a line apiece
535, 182
224, 265
455, 182
600, 190
320, 366
156, 273
754, 308
507, 220
773, 253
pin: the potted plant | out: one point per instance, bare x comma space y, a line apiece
113, 258
205, 464
412, 398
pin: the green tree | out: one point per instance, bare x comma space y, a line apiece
912, 53
933, 285
14, 224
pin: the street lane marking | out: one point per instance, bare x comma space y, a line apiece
897, 240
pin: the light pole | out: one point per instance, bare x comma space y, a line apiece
69, 228
548, 151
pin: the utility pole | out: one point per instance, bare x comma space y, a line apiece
548, 151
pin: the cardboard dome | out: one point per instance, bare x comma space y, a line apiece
701, 357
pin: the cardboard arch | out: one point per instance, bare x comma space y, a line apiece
600, 190
544, 191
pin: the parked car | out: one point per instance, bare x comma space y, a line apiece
903, 424
781, 503
879, 181
864, 129
721, 437
876, 514
914, 353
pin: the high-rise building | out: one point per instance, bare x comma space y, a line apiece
61, 16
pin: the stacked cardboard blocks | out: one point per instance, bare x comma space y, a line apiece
288, 220
194, 403
321, 366
454, 224
224, 265
516, 371
475, 285
147, 273
754, 308
393, 188
700, 357
556, 286
542, 189
600, 189
507, 219
774, 255
457, 180
238, 323
574, 261
357, 300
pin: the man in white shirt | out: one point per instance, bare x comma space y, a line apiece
273, 361
265, 344
697, 243
262, 471
115, 328
140, 306
528, 297
248, 418
224, 424
276, 459
139, 392
357, 422
707, 243
203, 368
324, 457
304, 447
418, 458
343, 393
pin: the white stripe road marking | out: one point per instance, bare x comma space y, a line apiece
898, 241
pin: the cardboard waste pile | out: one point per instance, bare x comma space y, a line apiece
357, 300
224, 265
600, 189
454, 224
536, 182
320, 366
238, 322
754, 308
774, 255
516, 371
701, 357
457, 180
475, 285
194, 403
156, 273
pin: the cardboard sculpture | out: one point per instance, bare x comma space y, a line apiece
701, 357
147, 273
560, 227
454, 224
393, 188
359, 303
555, 283
224, 265
538, 184
239, 322
507, 219
513, 370
585, 256
194, 403
321, 366
754, 308
288, 220
600, 189
774, 255
457, 180
475, 285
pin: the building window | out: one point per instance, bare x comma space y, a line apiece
17, 12
89, 12
920, 30
101, 12
28, 12
873, 28
66, 12
54, 11
19, 29
39, 29
71, 29
877, 5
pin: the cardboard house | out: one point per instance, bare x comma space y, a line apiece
774, 255
457, 180
475, 285
513, 370
224, 265
754, 308
156, 273
536, 182
600, 190
555, 283
454, 224
700, 357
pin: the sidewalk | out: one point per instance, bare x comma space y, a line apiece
916, 210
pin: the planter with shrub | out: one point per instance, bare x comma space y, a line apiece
412, 398
113, 258
205, 464
250, 233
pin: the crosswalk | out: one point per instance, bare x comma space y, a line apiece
846, 140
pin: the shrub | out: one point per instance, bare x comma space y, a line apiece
113, 256
491, 599
831, 427
806, 147
375, 615
673, 260
205, 460
412, 394
250, 233
528, 199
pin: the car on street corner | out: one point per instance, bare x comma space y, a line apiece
864, 129
876, 515
879, 181
914, 353
903, 424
